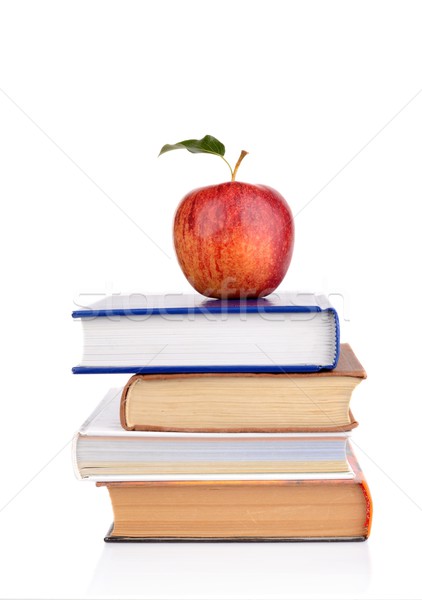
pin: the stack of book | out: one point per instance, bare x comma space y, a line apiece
235, 424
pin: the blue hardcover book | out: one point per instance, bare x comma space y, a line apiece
286, 332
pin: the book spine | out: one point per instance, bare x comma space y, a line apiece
74, 459
369, 507
337, 336
123, 400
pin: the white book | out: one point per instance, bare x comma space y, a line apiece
104, 451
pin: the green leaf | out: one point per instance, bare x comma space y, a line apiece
208, 145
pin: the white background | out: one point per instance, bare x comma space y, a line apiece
326, 96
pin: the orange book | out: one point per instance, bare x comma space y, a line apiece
289, 510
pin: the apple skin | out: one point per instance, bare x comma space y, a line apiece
234, 240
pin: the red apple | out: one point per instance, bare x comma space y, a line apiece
234, 240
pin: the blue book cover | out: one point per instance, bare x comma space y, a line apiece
179, 333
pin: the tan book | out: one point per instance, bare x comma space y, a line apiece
337, 510
244, 402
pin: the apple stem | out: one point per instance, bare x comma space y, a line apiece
228, 164
241, 157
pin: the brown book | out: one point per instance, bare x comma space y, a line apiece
244, 402
295, 510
